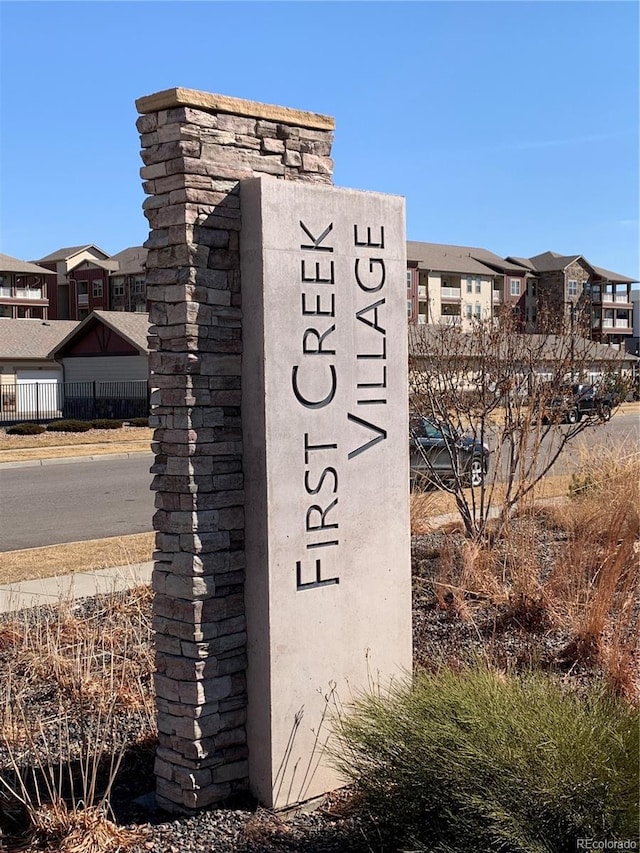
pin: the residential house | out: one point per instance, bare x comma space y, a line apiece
446, 284
555, 356
29, 377
23, 289
82, 276
127, 291
62, 368
107, 346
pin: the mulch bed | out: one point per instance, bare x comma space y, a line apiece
442, 635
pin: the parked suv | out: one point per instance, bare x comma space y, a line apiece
441, 454
581, 401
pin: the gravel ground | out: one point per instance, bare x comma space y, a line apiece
441, 636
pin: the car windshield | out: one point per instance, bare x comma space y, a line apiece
430, 430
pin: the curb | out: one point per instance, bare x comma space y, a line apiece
62, 460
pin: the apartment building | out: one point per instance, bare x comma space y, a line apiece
24, 289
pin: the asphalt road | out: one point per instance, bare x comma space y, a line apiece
620, 436
76, 501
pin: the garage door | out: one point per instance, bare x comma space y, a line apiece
38, 394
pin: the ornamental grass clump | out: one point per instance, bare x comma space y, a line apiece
476, 760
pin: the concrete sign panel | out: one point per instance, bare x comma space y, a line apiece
325, 432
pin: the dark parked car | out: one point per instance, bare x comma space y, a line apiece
580, 401
441, 454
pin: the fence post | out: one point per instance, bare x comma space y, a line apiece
37, 384
94, 405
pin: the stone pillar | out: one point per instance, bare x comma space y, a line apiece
196, 147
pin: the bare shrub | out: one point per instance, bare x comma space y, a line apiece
499, 387
79, 693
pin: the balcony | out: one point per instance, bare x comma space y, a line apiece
450, 293
422, 291
422, 319
497, 297
5, 292
83, 299
28, 293
616, 298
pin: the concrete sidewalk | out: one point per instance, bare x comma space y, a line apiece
34, 593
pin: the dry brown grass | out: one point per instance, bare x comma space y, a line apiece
75, 688
83, 830
588, 584
53, 560
49, 445
62, 439
429, 505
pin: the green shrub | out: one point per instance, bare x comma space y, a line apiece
69, 426
26, 429
474, 761
139, 422
106, 423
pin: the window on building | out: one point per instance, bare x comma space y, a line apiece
532, 288
447, 310
515, 287
477, 311
478, 285
82, 292
468, 311
138, 285
141, 308
573, 287
82, 313
408, 279
408, 307
97, 288
469, 285
118, 287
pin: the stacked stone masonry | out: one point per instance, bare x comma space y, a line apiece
194, 159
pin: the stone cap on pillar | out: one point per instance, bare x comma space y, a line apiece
170, 98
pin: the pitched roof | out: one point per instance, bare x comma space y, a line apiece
109, 265
69, 252
498, 263
433, 340
133, 327
442, 258
523, 262
130, 261
614, 276
549, 261
31, 339
9, 264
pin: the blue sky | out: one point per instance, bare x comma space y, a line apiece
507, 125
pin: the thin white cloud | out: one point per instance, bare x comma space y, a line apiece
556, 143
